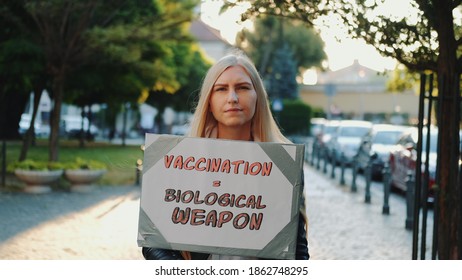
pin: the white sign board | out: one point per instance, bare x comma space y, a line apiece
220, 196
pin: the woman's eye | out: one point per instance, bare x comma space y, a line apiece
220, 89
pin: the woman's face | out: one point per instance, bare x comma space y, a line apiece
233, 99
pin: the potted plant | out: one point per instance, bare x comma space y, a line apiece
82, 174
37, 175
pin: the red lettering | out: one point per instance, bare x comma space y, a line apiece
224, 217
211, 219
238, 199
178, 162
244, 223
180, 216
255, 168
196, 215
266, 171
255, 221
168, 161
198, 163
236, 165
187, 161
169, 195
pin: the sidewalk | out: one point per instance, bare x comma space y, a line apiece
343, 227
102, 225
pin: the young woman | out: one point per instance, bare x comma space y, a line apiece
233, 105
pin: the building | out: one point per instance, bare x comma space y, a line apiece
358, 92
213, 45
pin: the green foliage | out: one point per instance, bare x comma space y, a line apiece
402, 80
262, 43
190, 68
311, 9
80, 163
35, 165
295, 117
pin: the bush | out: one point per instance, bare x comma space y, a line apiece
80, 163
295, 117
34, 165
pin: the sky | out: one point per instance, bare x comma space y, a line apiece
340, 49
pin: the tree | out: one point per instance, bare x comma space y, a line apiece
20, 64
190, 67
65, 31
267, 37
282, 82
425, 39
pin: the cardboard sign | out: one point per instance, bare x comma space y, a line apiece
221, 197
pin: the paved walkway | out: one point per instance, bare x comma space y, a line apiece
103, 224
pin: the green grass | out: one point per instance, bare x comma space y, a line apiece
120, 160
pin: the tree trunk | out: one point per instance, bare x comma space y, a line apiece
58, 83
12, 106
30, 134
449, 97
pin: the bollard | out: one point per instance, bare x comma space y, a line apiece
139, 170
354, 169
386, 188
334, 163
342, 165
314, 151
368, 175
409, 200
318, 158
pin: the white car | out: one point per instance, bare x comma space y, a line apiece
346, 140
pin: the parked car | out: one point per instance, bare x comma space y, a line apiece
317, 126
403, 157
347, 139
325, 137
375, 147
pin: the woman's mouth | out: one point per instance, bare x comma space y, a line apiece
233, 110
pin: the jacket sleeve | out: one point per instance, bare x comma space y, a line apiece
301, 251
165, 254
160, 254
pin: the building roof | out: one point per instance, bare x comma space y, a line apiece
353, 74
204, 32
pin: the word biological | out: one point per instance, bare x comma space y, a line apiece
218, 165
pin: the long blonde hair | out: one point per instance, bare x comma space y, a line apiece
264, 128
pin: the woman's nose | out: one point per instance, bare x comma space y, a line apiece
232, 96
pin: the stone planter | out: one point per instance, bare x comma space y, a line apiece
82, 180
38, 182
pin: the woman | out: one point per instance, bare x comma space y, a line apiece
233, 105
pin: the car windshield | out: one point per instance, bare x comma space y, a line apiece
353, 131
329, 129
386, 137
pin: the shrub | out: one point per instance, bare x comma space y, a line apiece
35, 165
295, 117
80, 163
